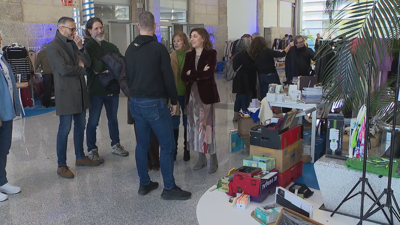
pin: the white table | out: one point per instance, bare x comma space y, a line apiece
306, 107
214, 209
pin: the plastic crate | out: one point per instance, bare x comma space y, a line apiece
290, 175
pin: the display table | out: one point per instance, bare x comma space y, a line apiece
336, 180
306, 107
214, 209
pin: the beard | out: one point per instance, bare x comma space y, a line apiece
99, 38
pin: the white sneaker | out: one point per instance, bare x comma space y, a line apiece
10, 189
118, 149
94, 155
3, 197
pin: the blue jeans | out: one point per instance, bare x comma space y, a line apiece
5, 145
111, 104
265, 80
63, 132
242, 102
176, 120
154, 114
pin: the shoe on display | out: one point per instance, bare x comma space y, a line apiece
145, 189
118, 149
10, 189
176, 193
94, 155
64, 172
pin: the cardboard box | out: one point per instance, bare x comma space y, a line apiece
284, 159
291, 212
290, 175
280, 141
265, 163
244, 126
334, 139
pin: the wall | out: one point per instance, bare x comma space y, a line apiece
285, 15
30, 22
270, 13
242, 18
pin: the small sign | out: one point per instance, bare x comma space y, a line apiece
67, 2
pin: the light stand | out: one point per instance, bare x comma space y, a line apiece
363, 179
389, 191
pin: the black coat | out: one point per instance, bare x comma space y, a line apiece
245, 80
297, 62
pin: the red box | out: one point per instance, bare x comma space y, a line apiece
290, 175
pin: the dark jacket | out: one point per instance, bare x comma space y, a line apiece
297, 62
96, 52
69, 81
148, 70
245, 80
205, 79
116, 65
265, 61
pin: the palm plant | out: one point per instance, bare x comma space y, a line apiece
368, 32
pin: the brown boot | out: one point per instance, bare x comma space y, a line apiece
64, 172
235, 117
86, 162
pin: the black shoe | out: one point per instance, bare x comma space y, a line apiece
176, 193
145, 189
186, 155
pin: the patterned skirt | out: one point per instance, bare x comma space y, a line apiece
200, 124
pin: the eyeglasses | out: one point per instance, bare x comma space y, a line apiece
71, 29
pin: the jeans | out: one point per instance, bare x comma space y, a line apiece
176, 120
63, 132
48, 88
265, 80
242, 102
5, 145
111, 105
154, 114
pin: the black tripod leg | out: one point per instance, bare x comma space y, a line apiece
369, 213
377, 202
393, 210
347, 197
395, 203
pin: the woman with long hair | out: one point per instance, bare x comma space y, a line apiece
264, 59
181, 46
201, 96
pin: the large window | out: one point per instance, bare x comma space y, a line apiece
112, 12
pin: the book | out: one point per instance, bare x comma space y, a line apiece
235, 142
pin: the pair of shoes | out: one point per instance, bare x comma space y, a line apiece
3, 197
201, 161
176, 193
94, 155
9, 189
145, 189
118, 149
235, 117
86, 162
64, 172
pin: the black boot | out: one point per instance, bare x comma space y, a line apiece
186, 152
176, 136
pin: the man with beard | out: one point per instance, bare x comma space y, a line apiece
97, 48
298, 59
68, 59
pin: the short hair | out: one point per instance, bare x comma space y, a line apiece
146, 21
286, 35
244, 44
254, 35
184, 39
89, 24
63, 20
297, 37
207, 45
245, 36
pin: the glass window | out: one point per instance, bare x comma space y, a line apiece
112, 12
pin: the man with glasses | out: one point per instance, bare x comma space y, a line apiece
298, 59
67, 59
100, 95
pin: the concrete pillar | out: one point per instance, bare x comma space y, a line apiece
260, 17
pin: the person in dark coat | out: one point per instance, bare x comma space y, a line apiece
245, 81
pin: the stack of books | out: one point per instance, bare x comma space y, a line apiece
312, 95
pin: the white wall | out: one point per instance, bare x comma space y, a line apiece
270, 13
242, 18
285, 14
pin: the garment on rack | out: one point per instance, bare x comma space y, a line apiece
18, 58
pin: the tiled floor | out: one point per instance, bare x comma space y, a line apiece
106, 194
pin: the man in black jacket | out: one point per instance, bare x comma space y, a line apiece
151, 83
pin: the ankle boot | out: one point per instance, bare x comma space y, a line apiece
201, 162
176, 136
186, 152
235, 116
213, 164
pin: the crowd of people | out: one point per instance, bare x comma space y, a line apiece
163, 90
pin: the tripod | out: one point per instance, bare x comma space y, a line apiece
389, 191
363, 179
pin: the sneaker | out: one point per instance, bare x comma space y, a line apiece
86, 162
3, 197
10, 189
94, 155
118, 149
176, 193
64, 172
145, 189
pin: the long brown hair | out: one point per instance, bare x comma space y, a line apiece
207, 45
184, 38
257, 45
